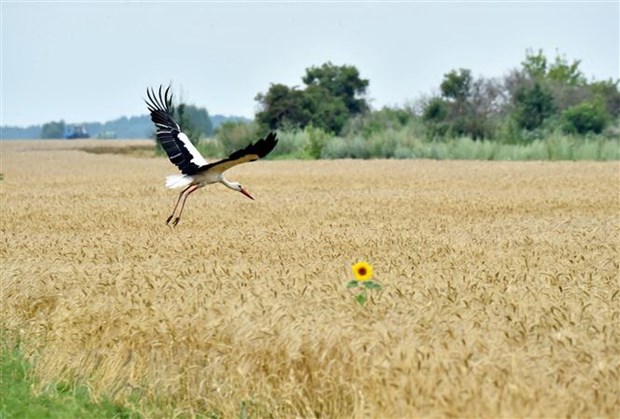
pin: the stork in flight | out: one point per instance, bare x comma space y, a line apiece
196, 171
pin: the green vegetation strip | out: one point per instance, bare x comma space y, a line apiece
404, 143
17, 399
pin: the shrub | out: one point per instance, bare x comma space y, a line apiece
235, 135
210, 148
585, 117
377, 122
315, 141
291, 144
336, 148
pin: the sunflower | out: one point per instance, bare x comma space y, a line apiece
362, 271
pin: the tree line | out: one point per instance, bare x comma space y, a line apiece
539, 97
197, 119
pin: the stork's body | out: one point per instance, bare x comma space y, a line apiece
196, 171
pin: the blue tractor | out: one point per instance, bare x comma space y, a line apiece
76, 131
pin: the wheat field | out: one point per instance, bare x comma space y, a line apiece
501, 295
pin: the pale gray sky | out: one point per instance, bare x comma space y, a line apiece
92, 61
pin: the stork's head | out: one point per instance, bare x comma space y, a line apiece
237, 186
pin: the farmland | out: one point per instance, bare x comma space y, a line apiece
500, 295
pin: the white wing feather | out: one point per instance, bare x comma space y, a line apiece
197, 158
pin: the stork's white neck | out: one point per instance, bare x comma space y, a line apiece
232, 185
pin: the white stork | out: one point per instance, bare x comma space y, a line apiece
196, 171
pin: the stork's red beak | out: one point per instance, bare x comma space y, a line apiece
246, 193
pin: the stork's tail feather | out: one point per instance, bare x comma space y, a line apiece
178, 181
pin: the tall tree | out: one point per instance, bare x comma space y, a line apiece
456, 85
537, 67
435, 114
340, 81
532, 105
283, 106
464, 108
332, 95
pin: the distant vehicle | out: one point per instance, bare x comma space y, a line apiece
107, 135
76, 131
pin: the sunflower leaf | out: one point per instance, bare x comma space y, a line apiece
361, 298
352, 284
372, 285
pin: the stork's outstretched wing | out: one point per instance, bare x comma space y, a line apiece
250, 153
175, 143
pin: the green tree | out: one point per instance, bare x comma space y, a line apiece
343, 82
283, 106
456, 88
53, 129
456, 85
437, 109
332, 95
464, 108
484, 108
532, 105
325, 111
607, 92
564, 80
435, 115
535, 65
563, 72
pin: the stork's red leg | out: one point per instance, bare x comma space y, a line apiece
177, 204
185, 195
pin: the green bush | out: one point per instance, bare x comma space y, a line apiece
235, 135
378, 121
210, 148
346, 148
584, 118
291, 144
316, 140
335, 148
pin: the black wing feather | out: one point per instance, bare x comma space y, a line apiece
261, 148
179, 153
257, 150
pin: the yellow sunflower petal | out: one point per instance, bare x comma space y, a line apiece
362, 271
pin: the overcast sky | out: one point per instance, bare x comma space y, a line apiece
92, 61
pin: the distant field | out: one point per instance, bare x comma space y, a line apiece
500, 297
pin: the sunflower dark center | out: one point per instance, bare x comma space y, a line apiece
361, 271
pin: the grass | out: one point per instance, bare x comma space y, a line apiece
500, 289
60, 401
402, 144
403, 147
